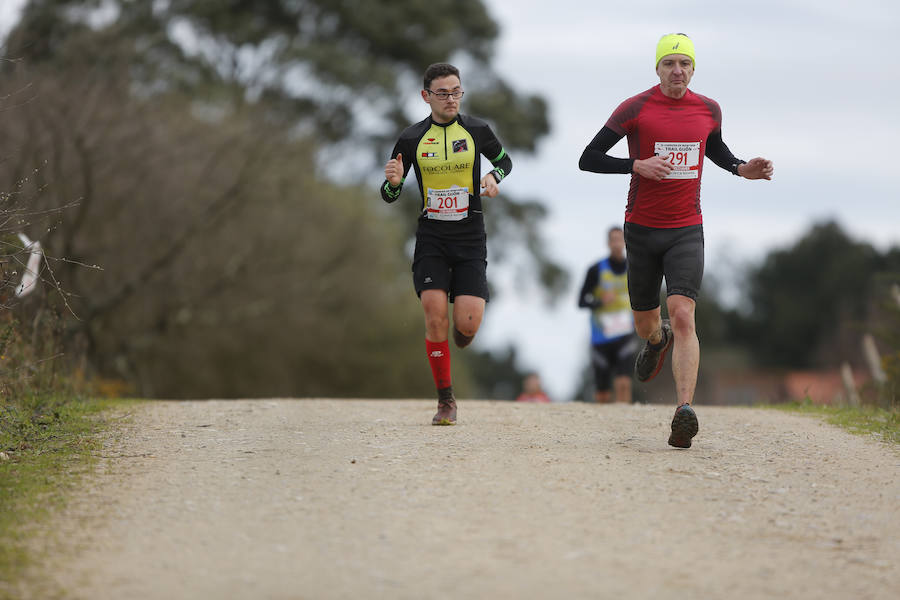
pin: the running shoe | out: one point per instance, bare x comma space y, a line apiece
446, 412
651, 357
684, 426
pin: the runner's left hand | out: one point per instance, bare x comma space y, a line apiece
757, 168
489, 186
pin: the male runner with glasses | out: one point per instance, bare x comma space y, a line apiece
450, 259
670, 129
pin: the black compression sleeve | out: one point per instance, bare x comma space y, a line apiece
595, 158
503, 165
718, 152
389, 193
586, 297
490, 147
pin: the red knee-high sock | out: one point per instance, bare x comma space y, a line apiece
439, 359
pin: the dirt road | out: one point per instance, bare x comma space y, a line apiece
364, 499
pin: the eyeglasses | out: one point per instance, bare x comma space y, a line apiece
455, 94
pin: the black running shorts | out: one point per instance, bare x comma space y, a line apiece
613, 359
459, 267
654, 253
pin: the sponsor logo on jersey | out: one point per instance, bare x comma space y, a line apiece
460, 145
430, 142
429, 154
445, 168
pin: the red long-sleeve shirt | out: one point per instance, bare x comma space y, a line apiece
682, 130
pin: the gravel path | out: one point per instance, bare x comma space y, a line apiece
319, 499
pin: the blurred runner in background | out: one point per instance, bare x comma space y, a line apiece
613, 343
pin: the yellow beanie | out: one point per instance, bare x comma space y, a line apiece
675, 43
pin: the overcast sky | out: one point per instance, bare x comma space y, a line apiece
813, 86
9, 12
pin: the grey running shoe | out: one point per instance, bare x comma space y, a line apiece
446, 412
684, 426
651, 357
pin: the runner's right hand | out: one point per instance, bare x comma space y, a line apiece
757, 168
655, 168
393, 170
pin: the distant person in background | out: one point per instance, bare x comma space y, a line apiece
450, 259
532, 390
670, 129
613, 343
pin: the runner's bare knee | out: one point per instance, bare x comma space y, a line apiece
468, 312
646, 322
681, 312
437, 320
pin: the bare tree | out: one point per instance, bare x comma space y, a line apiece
225, 266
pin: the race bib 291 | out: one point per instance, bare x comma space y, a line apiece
683, 156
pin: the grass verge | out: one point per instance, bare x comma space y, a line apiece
884, 424
47, 444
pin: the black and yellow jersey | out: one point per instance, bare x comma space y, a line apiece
447, 161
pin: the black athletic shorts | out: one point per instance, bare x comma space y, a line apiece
613, 359
654, 253
458, 267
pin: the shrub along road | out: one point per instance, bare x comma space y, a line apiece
364, 499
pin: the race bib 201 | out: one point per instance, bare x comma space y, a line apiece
448, 205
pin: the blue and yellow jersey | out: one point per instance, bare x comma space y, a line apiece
447, 161
609, 320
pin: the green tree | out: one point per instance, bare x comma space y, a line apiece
342, 71
887, 331
495, 375
208, 123
809, 303
335, 67
226, 270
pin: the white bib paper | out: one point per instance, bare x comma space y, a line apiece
683, 156
616, 324
448, 205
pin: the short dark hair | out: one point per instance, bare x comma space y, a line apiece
439, 70
613, 228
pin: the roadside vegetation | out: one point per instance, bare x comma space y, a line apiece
862, 420
48, 443
878, 413
49, 414
50, 419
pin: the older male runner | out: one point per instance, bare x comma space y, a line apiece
450, 259
670, 130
